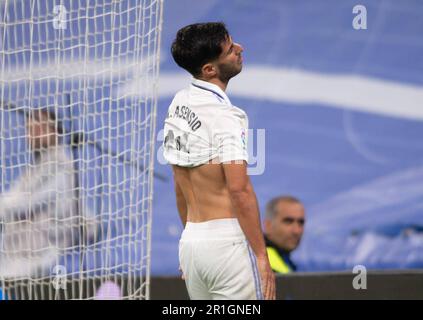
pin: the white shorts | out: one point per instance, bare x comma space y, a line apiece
217, 262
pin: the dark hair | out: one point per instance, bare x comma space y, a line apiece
197, 44
271, 205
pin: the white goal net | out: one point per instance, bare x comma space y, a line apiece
78, 95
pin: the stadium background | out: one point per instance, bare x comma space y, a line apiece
343, 120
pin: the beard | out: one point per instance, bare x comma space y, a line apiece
228, 71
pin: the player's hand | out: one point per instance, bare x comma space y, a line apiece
182, 273
268, 285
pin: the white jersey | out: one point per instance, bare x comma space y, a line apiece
202, 125
38, 215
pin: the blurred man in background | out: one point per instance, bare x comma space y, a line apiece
40, 213
283, 228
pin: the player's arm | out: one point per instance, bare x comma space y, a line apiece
246, 208
245, 204
181, 203
15, 203
227, 137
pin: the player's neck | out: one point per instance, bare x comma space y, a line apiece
222, 85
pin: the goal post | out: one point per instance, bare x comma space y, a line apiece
78, 99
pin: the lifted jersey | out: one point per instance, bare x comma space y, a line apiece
202, 125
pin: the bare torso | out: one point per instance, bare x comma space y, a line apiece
204, 188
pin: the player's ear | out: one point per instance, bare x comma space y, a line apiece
208, 70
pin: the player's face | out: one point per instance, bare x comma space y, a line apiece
287, 227
41, 133
229, 63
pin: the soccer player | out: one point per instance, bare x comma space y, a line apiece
222, 251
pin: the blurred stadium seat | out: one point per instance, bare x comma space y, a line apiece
343, 124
